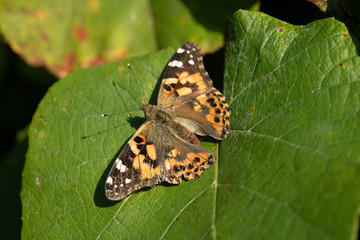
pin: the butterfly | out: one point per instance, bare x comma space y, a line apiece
165, 148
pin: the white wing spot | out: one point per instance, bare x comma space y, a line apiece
119, 164
191, 56
180, 50
191, 62
123, 168
175, 63
121, 185
127, 180
187, 51
109, 180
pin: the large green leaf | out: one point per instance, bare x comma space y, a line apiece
294, 91
289, 169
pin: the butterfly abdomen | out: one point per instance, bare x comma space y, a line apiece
182, 132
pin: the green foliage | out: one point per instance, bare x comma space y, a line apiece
295, 96
67, 35
346, 11
288, 170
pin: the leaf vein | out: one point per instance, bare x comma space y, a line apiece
183, 209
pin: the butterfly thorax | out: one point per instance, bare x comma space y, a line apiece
159, 116
155, 113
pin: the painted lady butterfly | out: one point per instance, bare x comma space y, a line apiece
165, 148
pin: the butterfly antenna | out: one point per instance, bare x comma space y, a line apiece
137, 83
119, 113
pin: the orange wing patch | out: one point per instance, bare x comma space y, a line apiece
147, 172
183, 76
194, 80
184, 91
137, 160
185, 84
143, 158
151, 151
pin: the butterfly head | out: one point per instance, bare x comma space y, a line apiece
146, 108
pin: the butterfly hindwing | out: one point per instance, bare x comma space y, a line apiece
207, 114
185, 161
134, 168
188, 92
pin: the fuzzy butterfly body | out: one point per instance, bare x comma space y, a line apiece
165, 148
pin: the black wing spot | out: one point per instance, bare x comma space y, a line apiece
167, 87
138, 140
210, 100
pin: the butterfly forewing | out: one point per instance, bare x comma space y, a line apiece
133, 168
163, 151
185, 76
